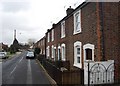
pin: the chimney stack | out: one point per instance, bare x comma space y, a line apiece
53, 25
69, 10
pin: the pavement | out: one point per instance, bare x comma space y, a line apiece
52, 81
0, 60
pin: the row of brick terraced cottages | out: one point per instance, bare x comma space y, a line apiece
89, 32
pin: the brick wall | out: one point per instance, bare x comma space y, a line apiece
89, 26
100, 27
112, 34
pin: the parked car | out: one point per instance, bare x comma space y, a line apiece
3, 55
30, 55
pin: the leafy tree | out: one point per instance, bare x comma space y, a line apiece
37, 50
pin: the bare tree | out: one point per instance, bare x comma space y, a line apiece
31, 42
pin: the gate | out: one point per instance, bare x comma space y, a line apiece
99, 72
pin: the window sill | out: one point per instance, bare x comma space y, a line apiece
78, 65
62, 37
63, 59
89, 61
52, 57
76, 33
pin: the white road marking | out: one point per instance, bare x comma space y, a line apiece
21, 59
16, 66
13, 69
29, 73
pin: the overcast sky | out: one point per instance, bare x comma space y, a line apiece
31, 18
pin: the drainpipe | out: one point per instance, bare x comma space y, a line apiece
102, 31
98, 31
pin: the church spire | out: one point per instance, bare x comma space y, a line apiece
14, 34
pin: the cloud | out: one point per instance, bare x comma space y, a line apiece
31, 18
13, 21
13, 16
14, 6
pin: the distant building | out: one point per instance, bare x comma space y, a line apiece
15, 46
3, 47
41, 44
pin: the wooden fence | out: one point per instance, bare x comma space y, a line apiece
66, 77
72, 77
63, 77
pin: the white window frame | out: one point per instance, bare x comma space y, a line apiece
59, 52
48, 37
39, 44
52, 34
41, 51
43, 42
76, 45
63, 29
63, 53
52, 51
48, 52
88, 46
78, 23
44, 51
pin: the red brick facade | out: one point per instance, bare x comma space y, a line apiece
111, 33
99, 28
41, 44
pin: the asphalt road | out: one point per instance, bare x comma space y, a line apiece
22, 71
0, 73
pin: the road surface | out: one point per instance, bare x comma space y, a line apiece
22, 71
0, 73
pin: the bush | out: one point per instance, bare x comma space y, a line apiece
37, 50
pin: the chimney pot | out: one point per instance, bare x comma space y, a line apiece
69, 10
53, 25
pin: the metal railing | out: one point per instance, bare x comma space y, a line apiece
99, 74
